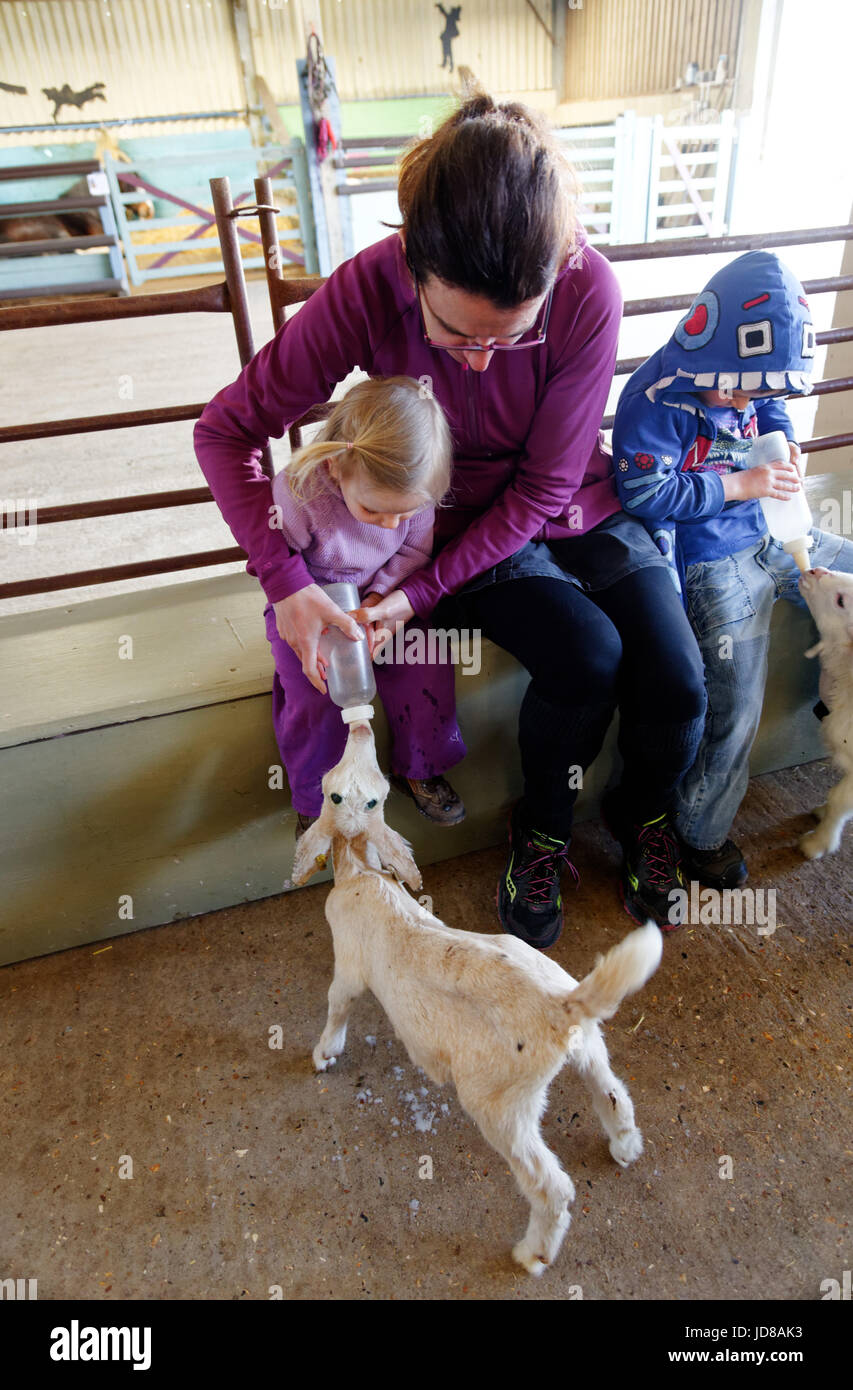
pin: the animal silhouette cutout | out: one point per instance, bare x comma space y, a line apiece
63, 96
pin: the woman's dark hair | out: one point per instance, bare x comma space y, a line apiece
488, 202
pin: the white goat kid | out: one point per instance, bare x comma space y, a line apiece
829, 595
489, 1013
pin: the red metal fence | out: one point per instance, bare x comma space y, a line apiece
230, 296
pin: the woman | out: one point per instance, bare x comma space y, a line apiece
491, 296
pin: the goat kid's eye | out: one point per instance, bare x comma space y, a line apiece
371, 804
337, 798
840, 600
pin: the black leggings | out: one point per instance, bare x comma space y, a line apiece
630, 647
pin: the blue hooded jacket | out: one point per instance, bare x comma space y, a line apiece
750, 328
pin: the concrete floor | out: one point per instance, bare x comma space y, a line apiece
248, 1170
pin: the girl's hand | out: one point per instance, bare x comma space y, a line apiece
779, 480
385, 615
299, 621
367, 603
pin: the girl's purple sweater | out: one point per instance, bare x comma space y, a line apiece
527, 456
336, 548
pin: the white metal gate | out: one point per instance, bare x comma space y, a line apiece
644, 180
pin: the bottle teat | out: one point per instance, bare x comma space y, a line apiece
800, 548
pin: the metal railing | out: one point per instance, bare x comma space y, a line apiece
759, 241
226, 297
108, 240
231, 296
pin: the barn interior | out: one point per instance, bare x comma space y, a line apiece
146, 830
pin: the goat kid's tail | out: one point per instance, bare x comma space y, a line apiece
622, 971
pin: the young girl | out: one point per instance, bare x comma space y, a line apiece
357, 504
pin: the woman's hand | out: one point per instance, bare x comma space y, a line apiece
384, 615
780, 480
299, 621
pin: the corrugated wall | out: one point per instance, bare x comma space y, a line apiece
154, 57
161, 57
625, 48
388, 48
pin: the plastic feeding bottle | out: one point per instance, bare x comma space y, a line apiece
788, 521
349, 669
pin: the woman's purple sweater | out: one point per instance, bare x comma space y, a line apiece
527, 455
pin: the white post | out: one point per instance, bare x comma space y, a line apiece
327, 173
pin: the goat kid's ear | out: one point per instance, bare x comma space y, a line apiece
312, 850
395, 853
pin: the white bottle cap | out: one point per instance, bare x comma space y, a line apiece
353, 713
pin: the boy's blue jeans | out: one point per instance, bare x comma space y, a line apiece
734, 597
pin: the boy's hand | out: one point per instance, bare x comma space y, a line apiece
299, 621
779, 480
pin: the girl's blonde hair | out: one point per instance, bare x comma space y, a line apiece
393, 429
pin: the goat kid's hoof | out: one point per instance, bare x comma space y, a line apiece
627, 1147
321, 1062
812, 846
534, 1264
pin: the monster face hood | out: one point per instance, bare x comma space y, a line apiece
749, 329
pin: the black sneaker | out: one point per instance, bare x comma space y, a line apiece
716, 868
651, 866
529, 902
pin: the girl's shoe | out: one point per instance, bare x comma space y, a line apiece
434, 798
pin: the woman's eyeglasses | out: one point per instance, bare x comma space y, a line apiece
539, 330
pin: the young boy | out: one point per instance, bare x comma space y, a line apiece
681, 442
